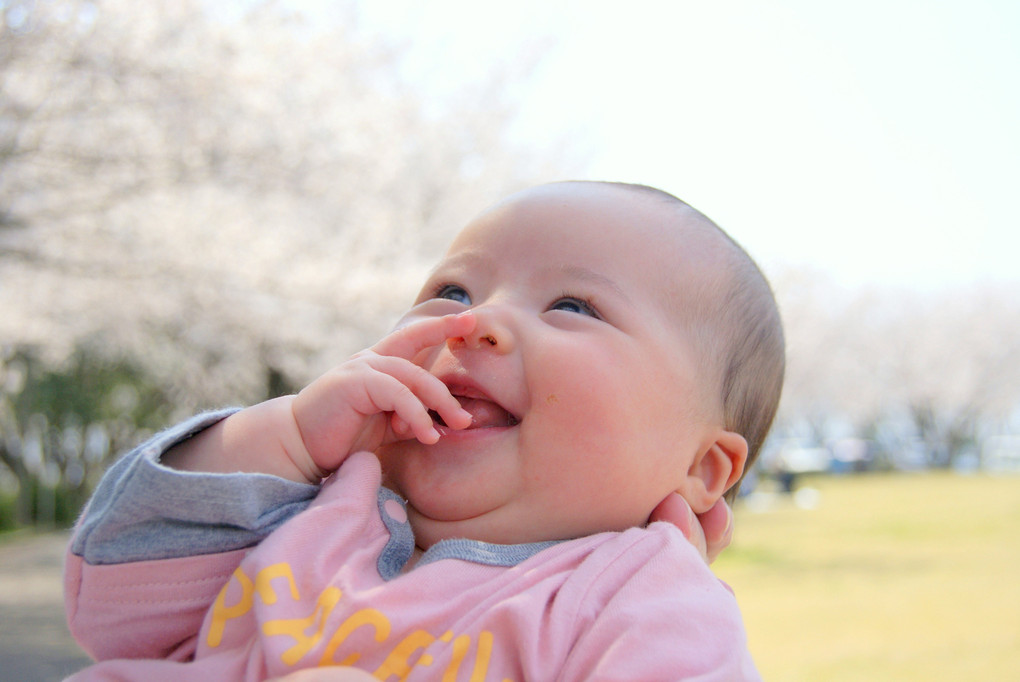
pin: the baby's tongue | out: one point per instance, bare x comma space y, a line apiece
485, 413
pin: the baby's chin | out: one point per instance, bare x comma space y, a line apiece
492, 527
496, 527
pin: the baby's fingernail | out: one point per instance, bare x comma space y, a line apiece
460, 419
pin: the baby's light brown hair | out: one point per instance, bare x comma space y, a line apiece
734, 321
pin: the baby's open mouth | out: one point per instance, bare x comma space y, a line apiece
484, 414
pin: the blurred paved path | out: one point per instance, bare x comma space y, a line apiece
35, 645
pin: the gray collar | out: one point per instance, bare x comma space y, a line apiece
400, 547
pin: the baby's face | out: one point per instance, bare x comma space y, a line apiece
584, 393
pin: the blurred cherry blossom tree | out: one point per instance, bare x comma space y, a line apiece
225, 205
214, 198
947, 363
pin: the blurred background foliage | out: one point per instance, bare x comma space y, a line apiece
200, 208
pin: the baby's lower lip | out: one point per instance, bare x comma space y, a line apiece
470, 435
486, 413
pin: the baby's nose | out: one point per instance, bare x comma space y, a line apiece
491, 332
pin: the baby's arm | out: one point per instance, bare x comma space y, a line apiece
177, 512
153, 547
376, 397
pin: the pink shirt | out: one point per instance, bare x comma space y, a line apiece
636, 605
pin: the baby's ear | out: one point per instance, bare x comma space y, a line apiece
717, 466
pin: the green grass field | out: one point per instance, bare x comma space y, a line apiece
890, 577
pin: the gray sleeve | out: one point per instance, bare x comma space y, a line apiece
142, 510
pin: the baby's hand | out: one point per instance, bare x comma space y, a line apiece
379, 396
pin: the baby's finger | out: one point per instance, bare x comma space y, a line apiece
400, 428
388, 394
429, 390
408, 341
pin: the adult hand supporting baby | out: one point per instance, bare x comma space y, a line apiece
327, 674
710, 532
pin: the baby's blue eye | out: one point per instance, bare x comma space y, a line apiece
453, 292
575, 305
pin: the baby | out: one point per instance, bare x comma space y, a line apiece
483, 477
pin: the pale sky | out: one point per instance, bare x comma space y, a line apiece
876, 141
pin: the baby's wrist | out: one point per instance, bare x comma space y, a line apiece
261, 439
274, 441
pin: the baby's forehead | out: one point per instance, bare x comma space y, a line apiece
619, 228
600, 213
